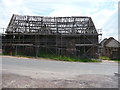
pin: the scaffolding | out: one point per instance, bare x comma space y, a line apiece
63, 36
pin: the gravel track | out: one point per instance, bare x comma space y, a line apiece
11, 80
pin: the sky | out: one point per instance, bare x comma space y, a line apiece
104, 13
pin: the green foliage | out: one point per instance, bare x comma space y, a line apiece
116, 60
5, 53
107, 58
65, 58
55, 57
104, 58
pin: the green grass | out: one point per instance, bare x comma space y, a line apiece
55, 57
104, 58
118, 60
65, 58
107, 58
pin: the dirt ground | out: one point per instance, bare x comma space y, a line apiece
82, 81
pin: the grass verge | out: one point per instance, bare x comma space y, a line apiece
107, 58
65, 58
59, 58
104, 58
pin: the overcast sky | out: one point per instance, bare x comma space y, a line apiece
104, 13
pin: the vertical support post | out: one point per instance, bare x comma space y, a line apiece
37, 50
56, 33
61, 47
46, 43
16, 51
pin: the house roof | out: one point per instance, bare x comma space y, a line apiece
110, 42
50, 25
